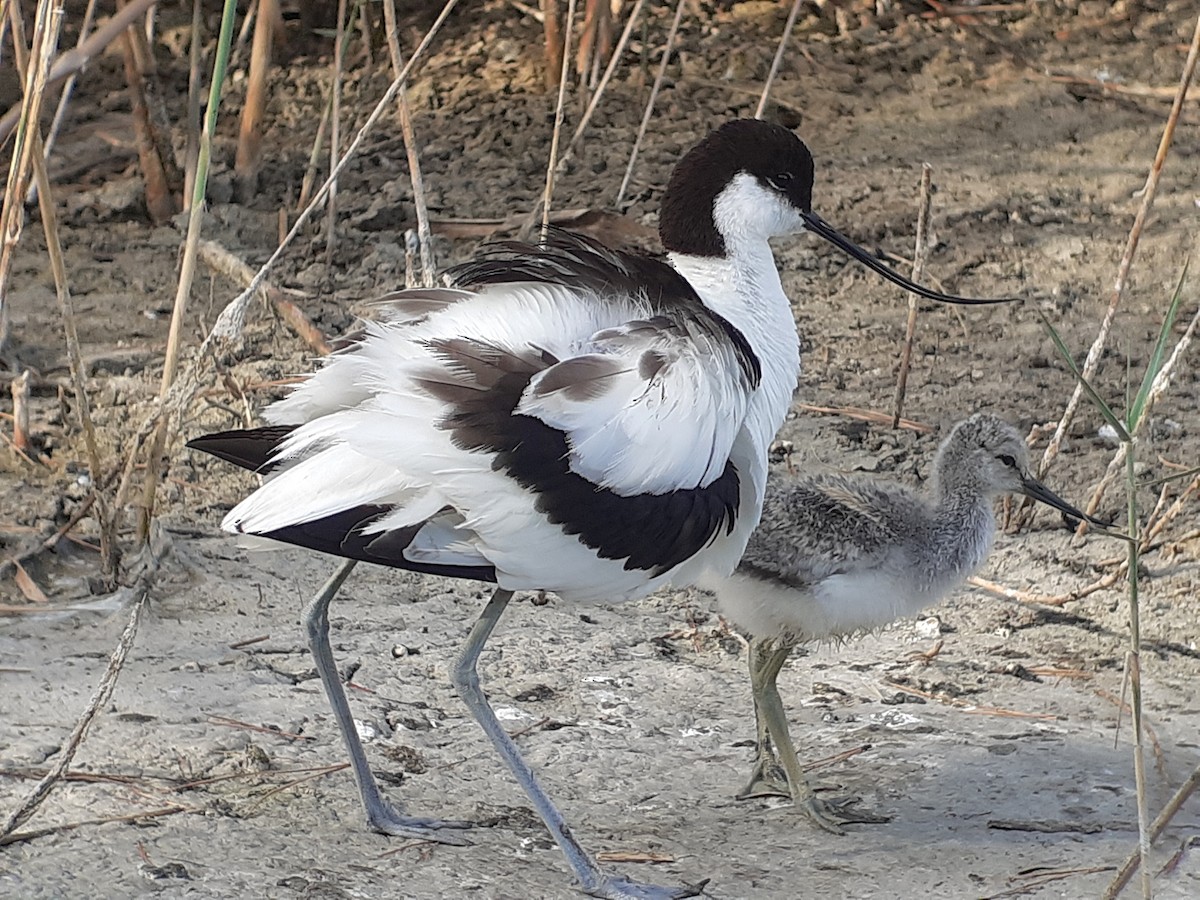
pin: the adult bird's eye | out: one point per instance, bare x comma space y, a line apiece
780, 181
1007, 460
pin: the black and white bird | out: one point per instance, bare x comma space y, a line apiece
566, 417
835, 556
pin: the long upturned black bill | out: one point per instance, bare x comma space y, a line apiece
818, 226
1038, 491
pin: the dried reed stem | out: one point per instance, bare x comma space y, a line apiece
920, 255
248, 161
335, 134
217, 258
74, 60
20, 399
229, 323
108, 536
187, 270
1135, 234
160, 176
554, 41
424, 232
658, 80
604, 79
1161, 821
65, 98
783, 39
559, 112
99, 698
192, 152
46, 27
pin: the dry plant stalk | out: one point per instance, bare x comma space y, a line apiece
160, 177
920, 255
424, 233
1131, 246
248, 162
1157, 389
161, 419
74, 60
64, 98
46, 26
554, 42
595, 41
335, 134
787, 32
668, 48
1161, 821
20, 399
217, 258
559, 112
232, 318
191, 153
109, 556
99, 698
613, 60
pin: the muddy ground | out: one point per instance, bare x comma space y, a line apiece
1012, 778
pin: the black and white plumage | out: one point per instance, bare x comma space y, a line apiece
565, 417
835, 556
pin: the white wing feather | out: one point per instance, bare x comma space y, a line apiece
653, 408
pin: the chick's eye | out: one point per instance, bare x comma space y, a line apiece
781, 181
1007, 460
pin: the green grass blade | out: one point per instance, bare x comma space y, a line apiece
1105, 410
1138, 407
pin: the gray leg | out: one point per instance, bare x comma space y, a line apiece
381, 815
767, 657
465, 678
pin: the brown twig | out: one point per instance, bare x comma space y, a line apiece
46, 26
248, 161
783, 39
335, 132
920, 255
554, 42
66, 753
868, 415
1124, 90
64, 98
1131, 246
668, 48
1049, 599
559, 112
191, 153
219, 259
156, 165
232, 317
421, 207
18, 837
74, 60
966, 707
20, 398
1161, 821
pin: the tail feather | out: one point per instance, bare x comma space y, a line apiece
345, 534
250, 448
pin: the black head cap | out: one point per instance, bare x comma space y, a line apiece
770, 153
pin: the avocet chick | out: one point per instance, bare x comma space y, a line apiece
835, 556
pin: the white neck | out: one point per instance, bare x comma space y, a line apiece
744, 287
